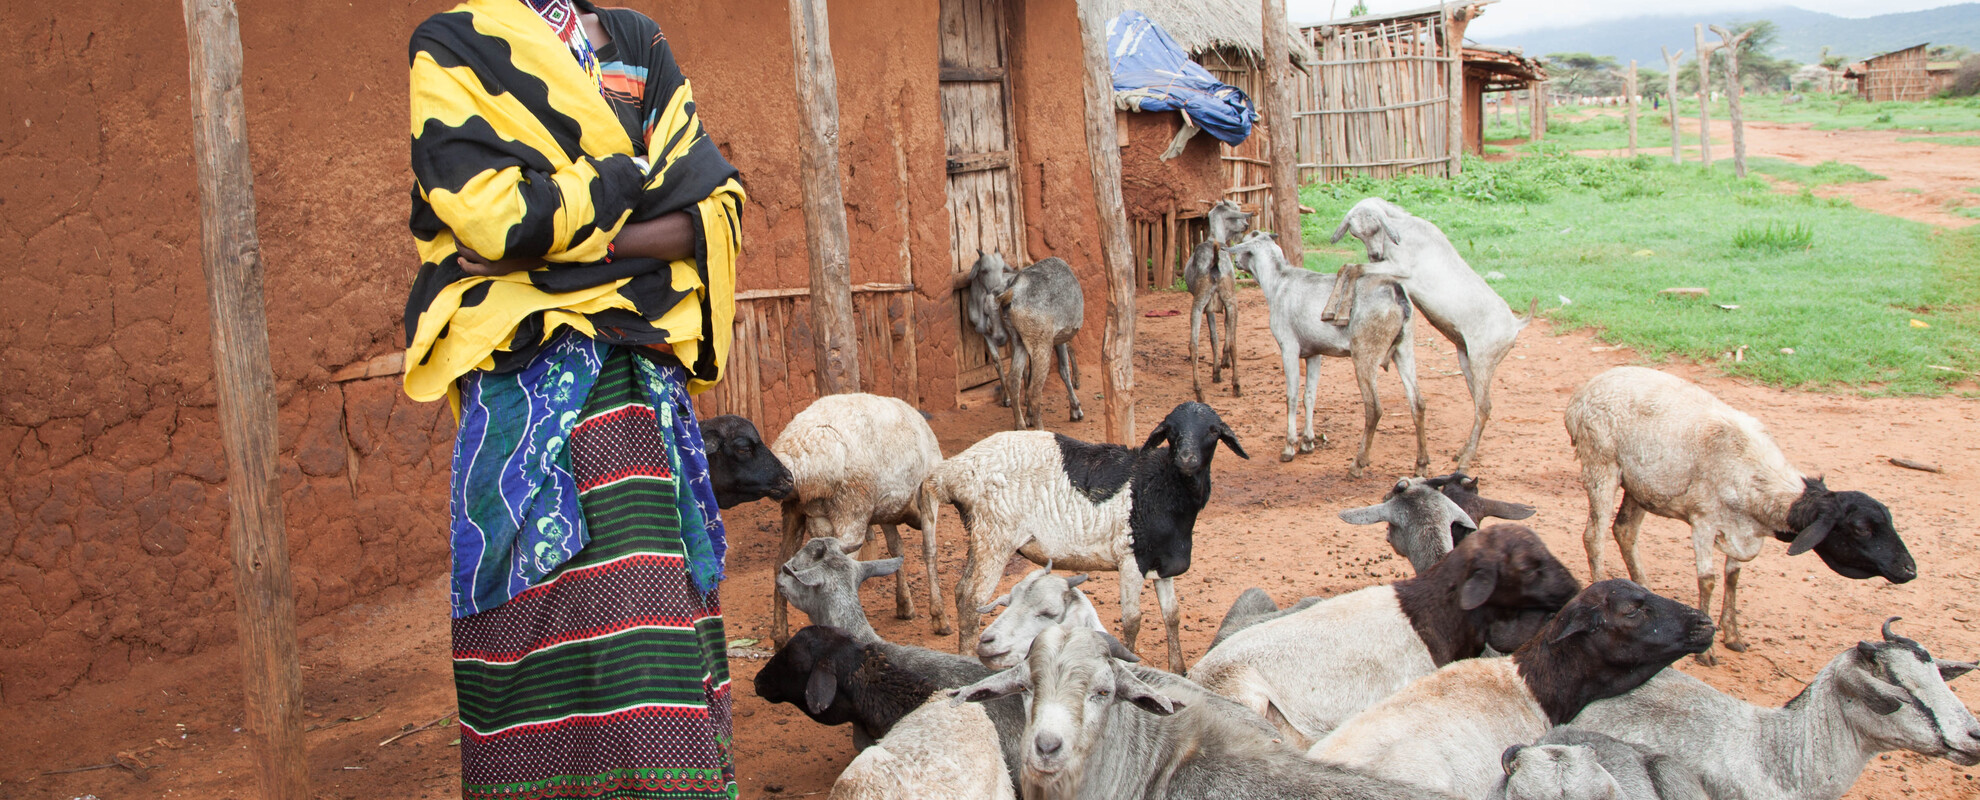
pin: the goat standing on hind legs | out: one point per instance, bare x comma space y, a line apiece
1212, 282
1456, 301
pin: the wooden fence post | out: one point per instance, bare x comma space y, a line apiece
835, 346
1280, 135
1630, 91
1539, 121
230, 251
1455, 21
1731, 45
1671, 98
1704, 96
1104, 158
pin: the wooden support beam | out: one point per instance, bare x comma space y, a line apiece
1629, 94
1456, 19
835, 345
230, 251
1117, 254
1731, 45
1671, 99
977, 162
973, 74
1279, 131
1539, 120
1704, 96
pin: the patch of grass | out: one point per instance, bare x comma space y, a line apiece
1608, 234
1956, 141
1969, 212
1846, 112
1823, 174
1775, 237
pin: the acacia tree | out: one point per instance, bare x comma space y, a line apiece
1584, 73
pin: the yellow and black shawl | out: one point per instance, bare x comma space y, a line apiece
516, 153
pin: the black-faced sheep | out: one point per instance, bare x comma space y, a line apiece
740, 466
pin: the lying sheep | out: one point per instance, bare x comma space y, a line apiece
1308, 672
859, 460
1872, 698
1423, 523
941, 749
1044, 307
1462, 489
1676, 451
1212, 282
1453, 298
1379, 333
740, 467
1572, 764
1039, 601
1085, 506
836, 679
1447, 730
1100, 729
1253, 607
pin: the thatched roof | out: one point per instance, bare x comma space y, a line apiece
1204, 25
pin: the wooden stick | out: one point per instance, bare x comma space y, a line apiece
1704, 96
835, 346
1280, 132
230, 250
1104, 160
1455, 21
427, 727
1630, 89
1671, 98
1731, 45
1539, 112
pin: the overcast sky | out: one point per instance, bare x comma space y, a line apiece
1513, 16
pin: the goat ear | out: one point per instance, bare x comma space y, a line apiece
1076, 580
1000, 601
820, 689
1389, 228
1880, 696
1574, 620
1273, 234
1366, 515
1478, 586
1816, 531
1156, 436
1131, 689
1340, 232
878, 568
1118, 650
1503, 510
1949, 670
1229, 438
1002, 684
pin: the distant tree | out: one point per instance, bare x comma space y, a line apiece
1834, 62
1360, 9
1946, 52
1966, 82
1584, 73
1758, 68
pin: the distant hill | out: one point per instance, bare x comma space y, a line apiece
1802, 33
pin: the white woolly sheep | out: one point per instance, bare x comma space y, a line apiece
942, 749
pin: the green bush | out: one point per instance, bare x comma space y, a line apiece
1774, 237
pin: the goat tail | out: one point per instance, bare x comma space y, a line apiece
1402, 299
1532, 311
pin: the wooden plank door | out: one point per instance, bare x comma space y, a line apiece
982, 156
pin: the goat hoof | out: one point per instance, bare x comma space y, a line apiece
1078, 415
1235, 391
1199, 395
1287, 455
1356, 472
1736, 645
1706, 659
1215, 378
944, 630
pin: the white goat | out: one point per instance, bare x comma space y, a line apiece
942, 749
1039, 601
1420, 518
1873, 698
1212, 283
1456, 301
1674, 450
1379, 333
1574, 764
858, 460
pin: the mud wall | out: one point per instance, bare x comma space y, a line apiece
1150, 186
113, 517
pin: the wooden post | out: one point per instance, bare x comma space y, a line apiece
835, 346
1731, 45
1539, 121
1279, 133
1630, 97
230, 251
1671, 98
1455, 21
1117, 255
1704, 97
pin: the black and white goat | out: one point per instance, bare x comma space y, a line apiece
1091, 507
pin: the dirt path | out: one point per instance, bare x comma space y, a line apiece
1269, 524
1924, 178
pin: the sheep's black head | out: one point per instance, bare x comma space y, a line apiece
740, 466
1193, 431
807, 671
1508, 571
1851, 531
1609, 639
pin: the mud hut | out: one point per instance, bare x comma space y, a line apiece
1384, 95
1490, 70
1899, 75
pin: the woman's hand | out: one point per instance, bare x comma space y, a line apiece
473, 263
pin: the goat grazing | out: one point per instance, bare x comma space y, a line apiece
740, 466
1378, 334
1455, 300
1309, 671
1044, 308
1423, 523
942, 749
1098, 728
1087, 507
1874, 697
858, 460
1039, 601
1573, 764
1212, 286
1447, 730
1676, 451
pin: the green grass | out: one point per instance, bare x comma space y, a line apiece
1608, 234
1823, 174
1955, 141
1846, 112
1775, 237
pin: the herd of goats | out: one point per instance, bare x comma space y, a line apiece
1493, 673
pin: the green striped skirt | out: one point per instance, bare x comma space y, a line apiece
610, 678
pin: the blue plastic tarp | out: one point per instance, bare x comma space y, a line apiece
1153, 73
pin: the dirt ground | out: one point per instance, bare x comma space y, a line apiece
377, 669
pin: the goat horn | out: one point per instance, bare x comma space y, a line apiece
1893, 638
